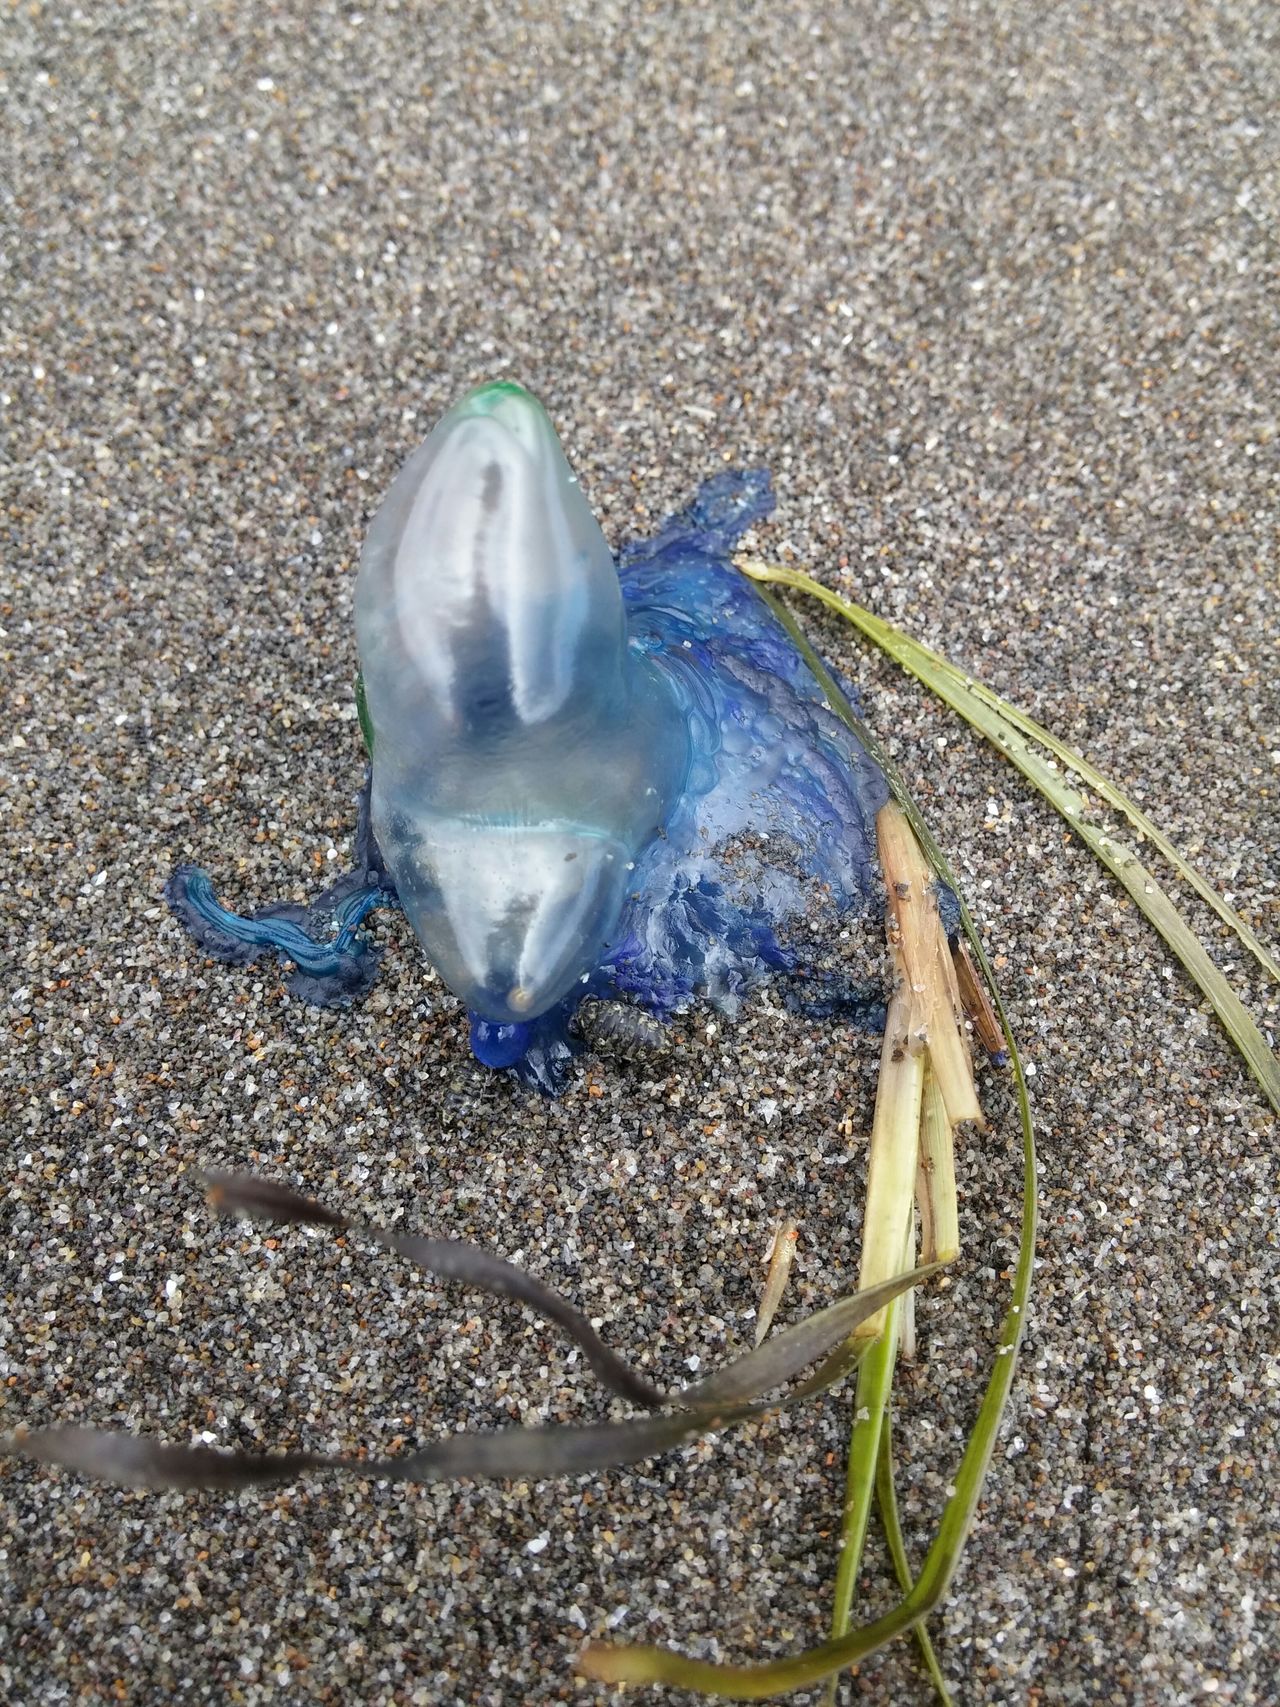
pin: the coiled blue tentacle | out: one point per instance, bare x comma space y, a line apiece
333, 965
328, 974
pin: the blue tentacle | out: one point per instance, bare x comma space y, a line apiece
328, 974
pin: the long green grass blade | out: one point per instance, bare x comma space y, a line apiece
1150, 831
989, 715
915, 657
887, 1506
610, 1664
871, 1403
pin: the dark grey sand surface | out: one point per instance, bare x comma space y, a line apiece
993, 290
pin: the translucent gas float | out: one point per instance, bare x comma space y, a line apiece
619, 783
524, 752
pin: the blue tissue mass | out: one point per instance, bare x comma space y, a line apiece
587, 779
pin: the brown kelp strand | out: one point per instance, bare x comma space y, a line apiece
733, 1394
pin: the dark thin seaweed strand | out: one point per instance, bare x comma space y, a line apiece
741, 1380
730, 1395
779, 1360
444, 1259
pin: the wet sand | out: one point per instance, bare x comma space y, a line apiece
992, 292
